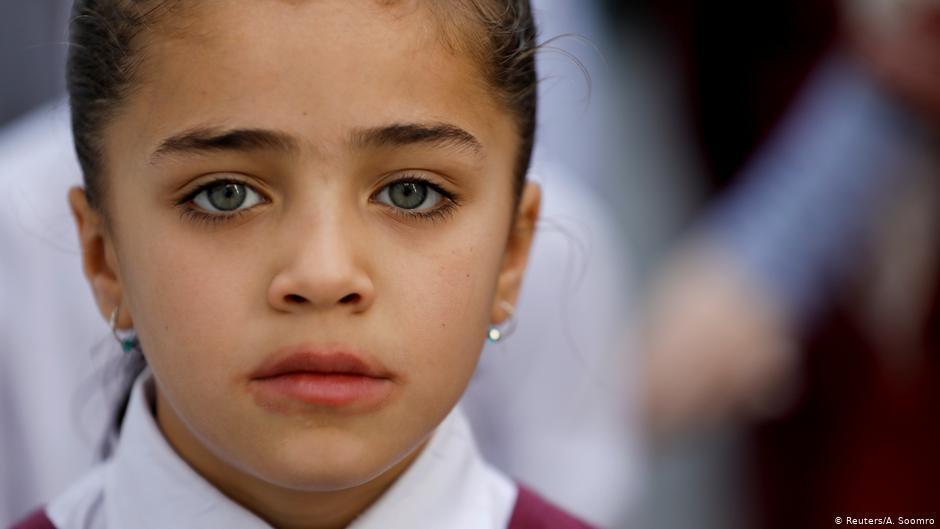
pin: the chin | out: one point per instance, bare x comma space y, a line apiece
326, 477
322, 467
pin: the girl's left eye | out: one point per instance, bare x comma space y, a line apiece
411, 195
226, 197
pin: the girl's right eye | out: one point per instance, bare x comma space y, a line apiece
219, 201
225, 197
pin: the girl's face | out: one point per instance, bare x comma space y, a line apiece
320, 178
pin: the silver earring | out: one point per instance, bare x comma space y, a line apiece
127, 344
498, 333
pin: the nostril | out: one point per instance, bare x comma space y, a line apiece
350, 298
294, 298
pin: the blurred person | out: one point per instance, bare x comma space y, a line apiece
849, 435
726, 318
729, 311
51, 344
861, 441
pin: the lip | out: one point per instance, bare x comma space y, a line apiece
334, 377
307, 359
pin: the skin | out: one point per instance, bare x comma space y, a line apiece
319, 259
718, 345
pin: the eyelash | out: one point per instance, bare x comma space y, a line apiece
200, 217
449, 201
445, 210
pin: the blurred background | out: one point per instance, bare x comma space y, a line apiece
753, 192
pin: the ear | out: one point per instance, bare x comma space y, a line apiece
517, 251
98, 258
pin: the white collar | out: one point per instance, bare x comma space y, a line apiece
148, 486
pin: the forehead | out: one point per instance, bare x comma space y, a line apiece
317, 67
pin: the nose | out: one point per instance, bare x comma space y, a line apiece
323, 266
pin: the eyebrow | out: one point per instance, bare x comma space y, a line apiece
213, 139
216, 139
405, 134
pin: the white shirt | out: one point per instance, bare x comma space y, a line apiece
146, 485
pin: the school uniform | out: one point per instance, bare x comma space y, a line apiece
146, 485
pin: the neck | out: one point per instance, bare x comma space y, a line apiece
281, 507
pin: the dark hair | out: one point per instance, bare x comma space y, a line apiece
106, 40
105, 56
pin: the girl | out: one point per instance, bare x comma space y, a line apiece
311, 214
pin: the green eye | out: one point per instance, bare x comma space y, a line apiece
407, 195
411, 195
226, 197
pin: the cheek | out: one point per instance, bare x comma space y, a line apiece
441, 313
188, 303
453, 290
446, 288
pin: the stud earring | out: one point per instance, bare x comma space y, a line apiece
498, 333
127, 344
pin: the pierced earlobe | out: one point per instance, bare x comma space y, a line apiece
129, 342
498, 333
